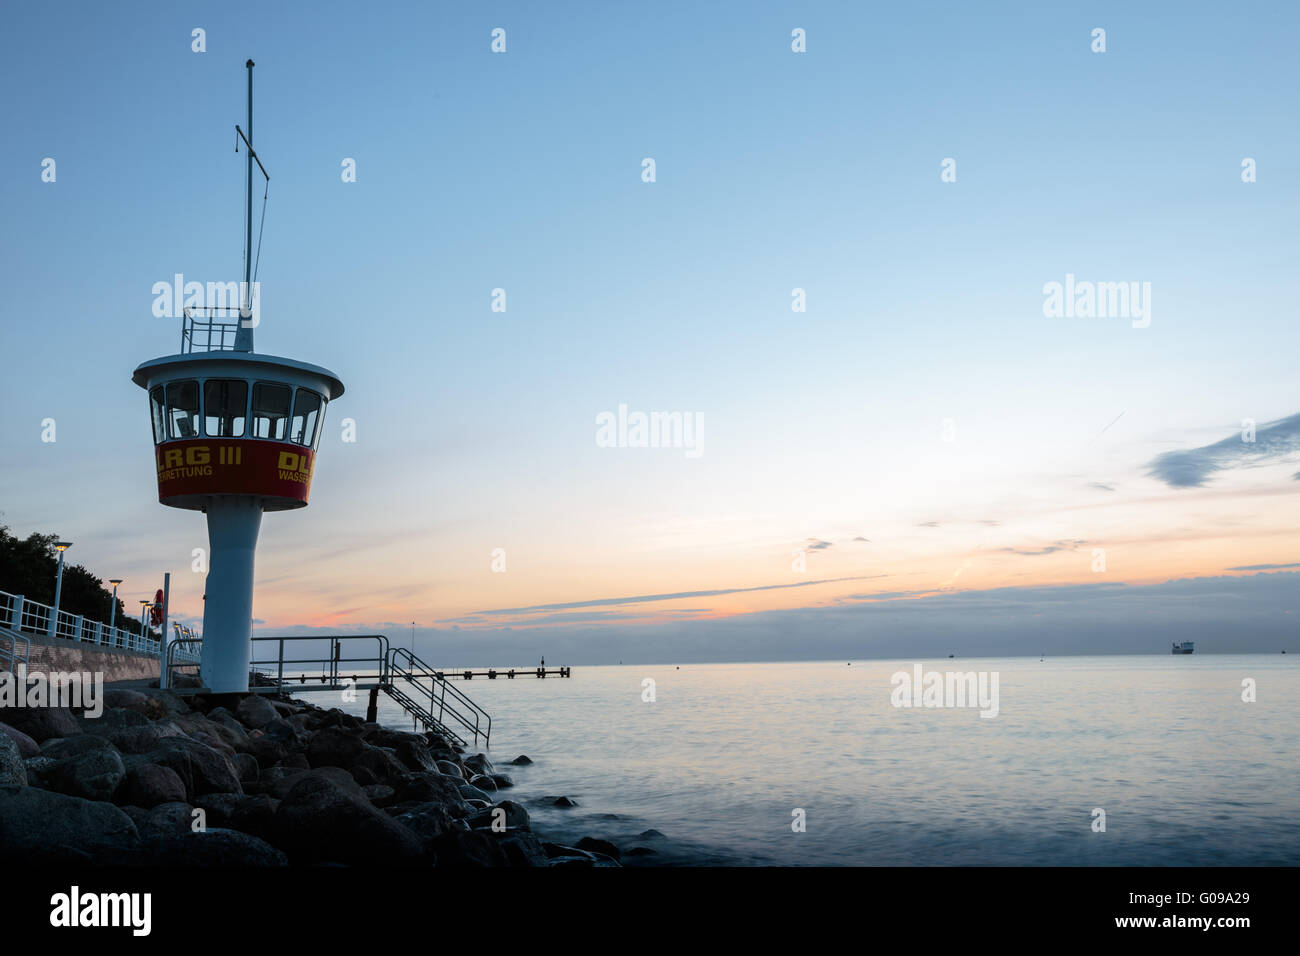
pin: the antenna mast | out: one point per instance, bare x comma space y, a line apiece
244, 334
248, 198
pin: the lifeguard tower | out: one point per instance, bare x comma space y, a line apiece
235, 435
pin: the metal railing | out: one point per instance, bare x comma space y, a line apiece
10, 656
20, 613
210, 332
181, 652
432, 690
357, 661
335, 669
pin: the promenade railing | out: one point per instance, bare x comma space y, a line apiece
19, 613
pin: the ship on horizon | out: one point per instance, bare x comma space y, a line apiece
1184, 647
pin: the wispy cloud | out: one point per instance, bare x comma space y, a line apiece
817, 544
481, 616
1192, 467
1265, 567
1050, 549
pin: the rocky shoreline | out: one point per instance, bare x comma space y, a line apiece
161, 779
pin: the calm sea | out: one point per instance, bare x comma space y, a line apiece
1186, 772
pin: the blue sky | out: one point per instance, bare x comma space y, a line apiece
775, 170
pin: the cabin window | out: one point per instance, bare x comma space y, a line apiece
225, 405
320, 424
270, 411
156, 414
183, 409
306, 412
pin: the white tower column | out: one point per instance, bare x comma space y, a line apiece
233, 525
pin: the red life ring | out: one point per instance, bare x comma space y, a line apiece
156, 612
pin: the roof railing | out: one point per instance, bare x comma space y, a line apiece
211, 328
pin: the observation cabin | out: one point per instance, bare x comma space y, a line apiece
227, 421
235, 435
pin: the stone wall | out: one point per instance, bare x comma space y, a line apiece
49, 655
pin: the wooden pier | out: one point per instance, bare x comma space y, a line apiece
509, 674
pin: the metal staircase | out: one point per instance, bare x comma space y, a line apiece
433, 700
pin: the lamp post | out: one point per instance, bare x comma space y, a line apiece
145, 604
112, 611
61, 546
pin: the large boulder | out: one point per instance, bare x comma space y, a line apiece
470, 792
381, 762
234, 734
171, 702
431, 788
522, 848
414, 753
130, 731
26, 746
479, 764
167, 819
431, 823
266, 751
43, 827
334, 748
12, 771
85, 766
243, 812
213, 734
321, 822
202, 768
246, 765
147, 785
255, 712
281, 787
283, 732
42, 723
151, 707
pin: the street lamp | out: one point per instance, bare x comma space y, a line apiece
112, 611
145, 604
61, 546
